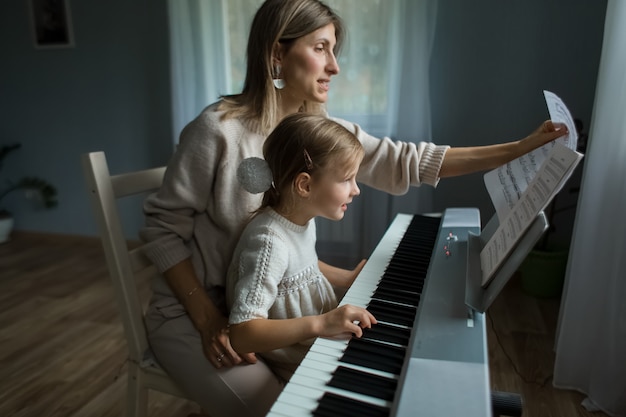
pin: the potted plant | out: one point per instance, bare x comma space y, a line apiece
43, 191
543, 270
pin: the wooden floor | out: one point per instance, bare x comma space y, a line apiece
521, 331
62, 351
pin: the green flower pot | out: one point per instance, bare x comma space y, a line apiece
543, 273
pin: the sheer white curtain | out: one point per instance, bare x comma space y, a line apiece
383, 86
197, 58
407, 118
591, 338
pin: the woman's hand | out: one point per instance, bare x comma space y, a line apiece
206, 317
545, 133
346, 320
217, 348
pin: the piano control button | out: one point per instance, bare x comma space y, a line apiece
470, 317
450, 239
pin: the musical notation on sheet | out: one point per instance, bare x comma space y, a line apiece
507, 183
547, 182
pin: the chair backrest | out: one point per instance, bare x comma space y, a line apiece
124, 265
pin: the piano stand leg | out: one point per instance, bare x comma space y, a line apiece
506, 404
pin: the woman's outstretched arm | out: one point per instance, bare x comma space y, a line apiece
466, 160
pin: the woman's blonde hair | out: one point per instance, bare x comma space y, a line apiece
276, 21
308, 143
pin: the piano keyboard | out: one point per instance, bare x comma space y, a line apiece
360, 376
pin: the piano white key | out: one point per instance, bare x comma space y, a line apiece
367, 279
363, 289
332, 343
300, 396
321, 376
359, 300
327, 357
359, 297
313, 367
330, 347
313, 389
282, 408
327, 354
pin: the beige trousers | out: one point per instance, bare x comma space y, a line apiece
245, 390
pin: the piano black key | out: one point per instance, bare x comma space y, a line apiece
405, 283
408, 269
364, 383
409, 282
411, 254
333, 405
374, 355
386, 333
413, 287
395, 296
403, 315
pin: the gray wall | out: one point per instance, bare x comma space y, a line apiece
491, 61
110, 92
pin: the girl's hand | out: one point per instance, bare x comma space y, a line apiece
217, 348
346, 320
342, 278
355, 272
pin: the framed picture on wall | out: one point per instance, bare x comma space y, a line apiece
51, 23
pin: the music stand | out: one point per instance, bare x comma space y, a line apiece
479, 298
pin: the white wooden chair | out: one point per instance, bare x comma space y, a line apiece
125, 266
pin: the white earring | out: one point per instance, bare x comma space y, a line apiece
279, 83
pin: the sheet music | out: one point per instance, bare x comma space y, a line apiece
507, 183
548, 181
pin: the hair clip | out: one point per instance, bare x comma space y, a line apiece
307, 160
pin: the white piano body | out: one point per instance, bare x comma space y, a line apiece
444, 370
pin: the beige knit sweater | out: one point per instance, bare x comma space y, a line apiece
274, 274
201, 209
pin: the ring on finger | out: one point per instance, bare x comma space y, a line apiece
220, 356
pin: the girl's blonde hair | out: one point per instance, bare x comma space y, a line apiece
276, 21
306, 143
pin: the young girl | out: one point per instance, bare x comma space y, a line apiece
279, 298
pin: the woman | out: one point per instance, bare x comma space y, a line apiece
196, 218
